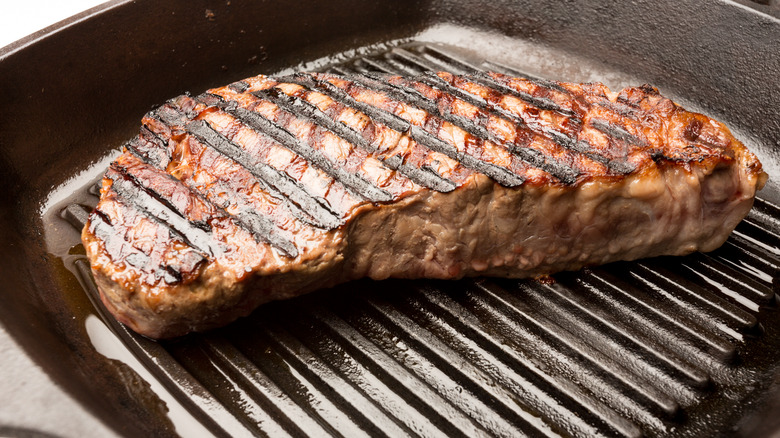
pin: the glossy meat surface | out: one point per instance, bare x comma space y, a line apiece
273, 187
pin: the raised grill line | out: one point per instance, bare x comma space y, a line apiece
501, 175
301, 108
592, 411
726, 280
765, 215
757, 248
424, 65
406, 94
448, 415
157, 358
747, 302
752, 232
759, 266
694, 343
530, 387
284, 411
449, 62
701, 319
315, 157
366, 64
392, 383
322, 215
253, 414
76, 215
627, 393
650, 359
681, 291
345, 398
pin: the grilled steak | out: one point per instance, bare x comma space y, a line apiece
273, 187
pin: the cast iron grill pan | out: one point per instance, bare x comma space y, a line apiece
664, 346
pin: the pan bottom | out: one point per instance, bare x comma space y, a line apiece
666, 346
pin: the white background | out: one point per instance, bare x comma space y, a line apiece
20, 18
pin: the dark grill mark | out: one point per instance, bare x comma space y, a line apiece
318, 211
137, 197
101, 227
558, 137
263, 229
167, 202
565, 174
621, 107
170, 116
269, 128
304, 109
539, 102
152, 137
617, 132
239, 87
499, 174
618, 166
153, 156
209, 99
120, 249
150, 148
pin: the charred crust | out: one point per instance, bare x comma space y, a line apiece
611, 143
692, 130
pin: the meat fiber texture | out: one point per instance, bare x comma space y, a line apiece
274, 187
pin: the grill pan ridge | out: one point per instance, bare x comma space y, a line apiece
659, 347
653, 347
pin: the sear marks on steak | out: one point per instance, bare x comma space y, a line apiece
273, 187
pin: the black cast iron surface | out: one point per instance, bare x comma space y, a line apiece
668, 346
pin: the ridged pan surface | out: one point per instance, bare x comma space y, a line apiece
658, 347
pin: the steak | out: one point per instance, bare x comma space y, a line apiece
270, 188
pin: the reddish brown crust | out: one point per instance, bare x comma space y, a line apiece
150, 259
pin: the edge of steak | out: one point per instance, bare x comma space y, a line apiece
272, 188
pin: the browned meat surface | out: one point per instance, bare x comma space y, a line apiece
270, 188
